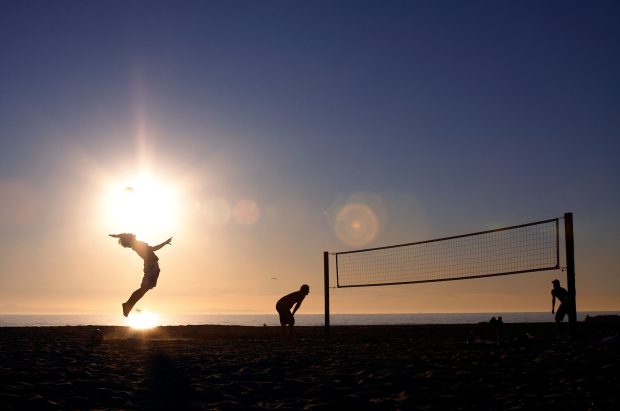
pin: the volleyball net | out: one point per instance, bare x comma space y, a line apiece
503, 251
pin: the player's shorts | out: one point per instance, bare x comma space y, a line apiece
285, 315
151, 273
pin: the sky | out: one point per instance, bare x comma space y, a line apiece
243, 129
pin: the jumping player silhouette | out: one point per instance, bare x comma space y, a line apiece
151, 266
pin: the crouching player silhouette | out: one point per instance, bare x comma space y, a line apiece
151, 266
284, 305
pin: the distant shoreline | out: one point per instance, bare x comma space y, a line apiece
26, 320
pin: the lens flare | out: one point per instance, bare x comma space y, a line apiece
356, 225
246, 212
216, 211
18, 202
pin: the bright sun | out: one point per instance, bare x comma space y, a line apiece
143, 206
143, 320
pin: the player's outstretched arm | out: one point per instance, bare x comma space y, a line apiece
158, 246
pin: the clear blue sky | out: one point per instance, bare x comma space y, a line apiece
442, 116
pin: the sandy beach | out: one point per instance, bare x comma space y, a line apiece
425, 367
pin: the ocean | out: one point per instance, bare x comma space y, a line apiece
272, 319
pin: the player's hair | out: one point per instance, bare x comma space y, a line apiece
126, 239
305, 288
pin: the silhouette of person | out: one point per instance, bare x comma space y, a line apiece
151, 266
562, 295
495, 325
284, 305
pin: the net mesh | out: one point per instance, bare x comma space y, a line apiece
510, 250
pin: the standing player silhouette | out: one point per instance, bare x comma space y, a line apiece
562, 295
151, 266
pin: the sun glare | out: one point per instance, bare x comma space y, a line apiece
143, 320
143, 206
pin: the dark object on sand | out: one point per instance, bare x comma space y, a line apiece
96, 337
610, 318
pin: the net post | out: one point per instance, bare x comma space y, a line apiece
570, 272
326, 283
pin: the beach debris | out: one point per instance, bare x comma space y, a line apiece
605, 318
478, 340
96, 337
612, 339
